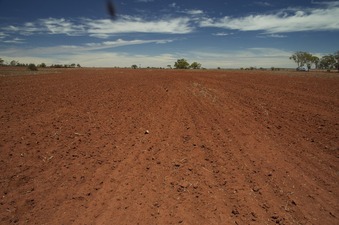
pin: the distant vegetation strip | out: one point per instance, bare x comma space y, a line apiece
304, 60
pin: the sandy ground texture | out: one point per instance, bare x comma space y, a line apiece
121, 146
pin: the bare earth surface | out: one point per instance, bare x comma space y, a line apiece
120, 146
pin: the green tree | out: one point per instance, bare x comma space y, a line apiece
336, 56
181, 64
134, 66
42, 65
32, 67
327, 62
296, 57
315, 60
13, 63
195, 65
1, 62
302, 58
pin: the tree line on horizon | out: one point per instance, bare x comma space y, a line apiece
180, 64
32, 66
326, 62
302, 58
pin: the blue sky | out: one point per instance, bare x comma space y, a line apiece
215, 33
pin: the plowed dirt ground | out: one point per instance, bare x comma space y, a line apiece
120, 146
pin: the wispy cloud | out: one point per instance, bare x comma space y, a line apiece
288, 20
173, 5
11, 28
259, 57
46, 26
291, 20
194, 12
222, 34
100, 28
62, 26
272, 36
276, 36
121, 42
144, 1
14, 41
256, 57
3, 35
90, 59
129, 24
86, 48
262, 3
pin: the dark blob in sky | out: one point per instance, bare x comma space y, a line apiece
111, 9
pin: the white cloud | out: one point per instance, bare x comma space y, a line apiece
271, 36
129, 24
105, 59
93, 54
256, 57
47, 26
102, 36
194, 12
121, 42
62, 26
94, 58
3, 35
262, 3
68, 50
222, 34
144, 1
328, 3
173, 5
276, 36
11, 28
14, 41
100, 28
285, 21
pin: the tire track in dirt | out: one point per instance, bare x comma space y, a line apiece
242, 182
172, 188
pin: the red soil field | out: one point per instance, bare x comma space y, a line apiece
121, 146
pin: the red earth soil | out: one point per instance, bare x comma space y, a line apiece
120, 146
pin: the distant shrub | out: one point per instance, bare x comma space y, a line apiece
195, 65
32, 67
57, 66
182, 64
